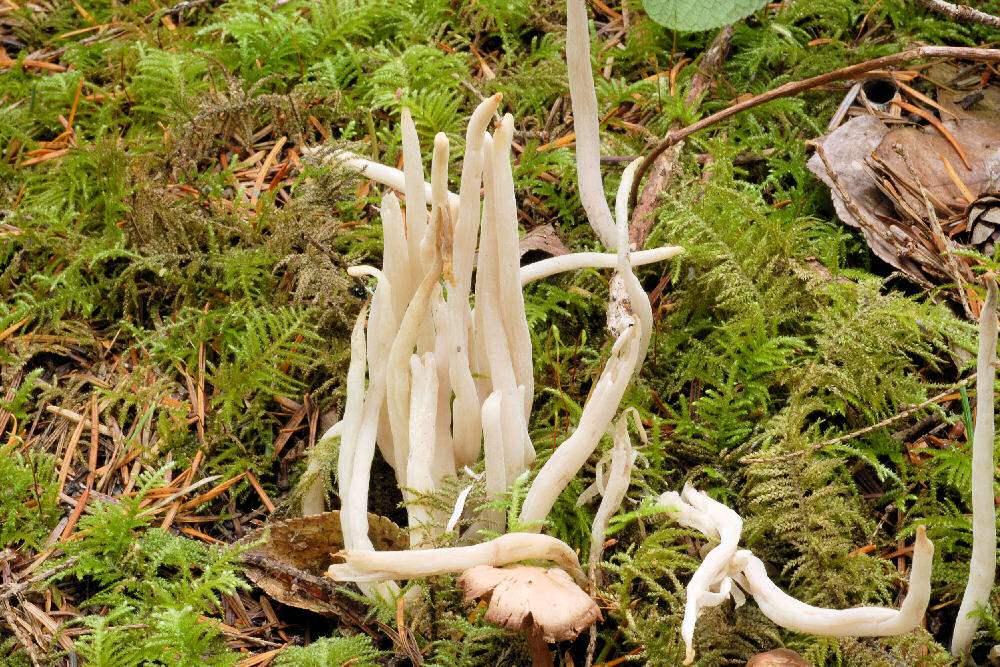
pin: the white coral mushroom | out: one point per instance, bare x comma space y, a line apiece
725, 563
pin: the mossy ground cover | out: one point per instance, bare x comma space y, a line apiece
173, 268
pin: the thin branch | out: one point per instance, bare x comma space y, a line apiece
868, 429
796, 87
961, 12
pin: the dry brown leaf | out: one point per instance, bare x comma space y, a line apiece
847, 148
291, 565
542, 239
981, 141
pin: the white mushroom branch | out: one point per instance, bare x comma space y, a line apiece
726, 564
449, 377
447, 357
441, 370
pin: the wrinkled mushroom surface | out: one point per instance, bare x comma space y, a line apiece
522, 596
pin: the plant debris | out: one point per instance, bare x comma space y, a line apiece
919, 193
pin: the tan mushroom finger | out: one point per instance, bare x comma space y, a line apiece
371, 566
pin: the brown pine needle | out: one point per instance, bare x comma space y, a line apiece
930, 118
260, 492
959, 183
219, 490
70, 450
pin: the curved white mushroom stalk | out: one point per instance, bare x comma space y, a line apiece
585, 123
983, 564
790, 613
714, 570
573, 452
551, 266
618, 482
725, 563
363, 566
634, 320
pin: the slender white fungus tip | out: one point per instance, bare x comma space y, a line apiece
595, 419
621, 199
456, 513
333, 432
439, 171
416, 197
619, 478
369, 566
378, 172
696, 510
637, 423
585, 123
594, 260
365, 270
480, 121
439, 202
983, 563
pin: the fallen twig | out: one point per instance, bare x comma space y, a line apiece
961, 12
795, 87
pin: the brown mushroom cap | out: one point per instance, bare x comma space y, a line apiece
779, 657
522, 595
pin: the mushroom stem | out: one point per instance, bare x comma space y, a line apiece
585, 123
597, 414
423, 414
369, 566
376, 171
541, 656
618, 481
595, 260
790, 613
314, 499
725, 564
397, 366
416, 197
511, 299
983, 563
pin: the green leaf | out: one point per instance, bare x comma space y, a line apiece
694, 15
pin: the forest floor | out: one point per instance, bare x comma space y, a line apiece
175, 316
